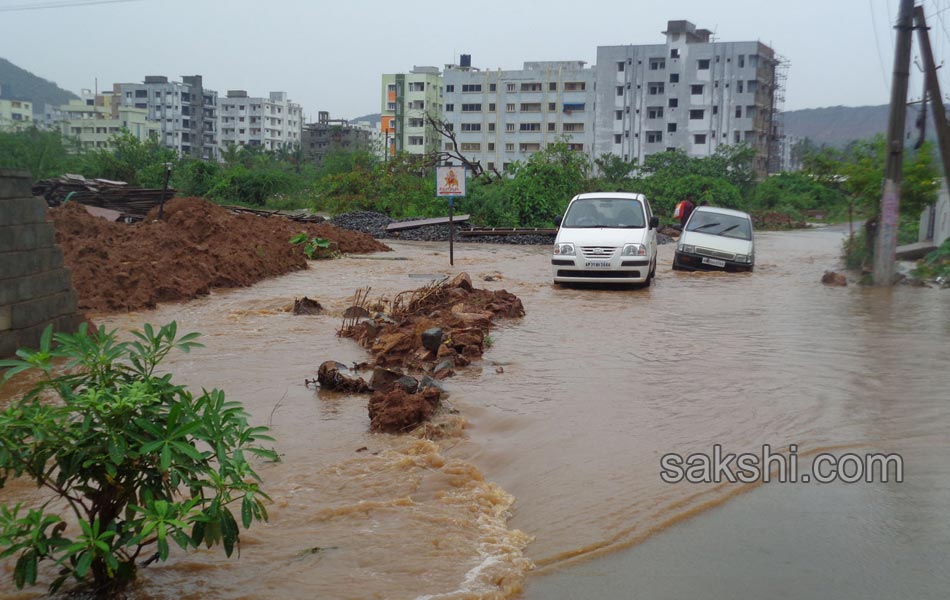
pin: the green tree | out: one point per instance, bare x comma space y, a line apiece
131, 160
43, 153
140, 461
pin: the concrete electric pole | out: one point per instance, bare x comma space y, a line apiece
933, 90
886, 243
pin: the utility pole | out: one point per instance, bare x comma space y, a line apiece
933, 90
886, 243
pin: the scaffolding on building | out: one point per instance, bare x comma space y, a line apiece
776, 145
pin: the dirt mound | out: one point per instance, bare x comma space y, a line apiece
769, 220
197, 246
398, 411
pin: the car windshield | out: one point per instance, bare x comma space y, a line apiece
720, 224
614, 213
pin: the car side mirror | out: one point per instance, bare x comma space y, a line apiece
654, 222
557, 221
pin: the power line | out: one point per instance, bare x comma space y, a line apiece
60, 4
877, 44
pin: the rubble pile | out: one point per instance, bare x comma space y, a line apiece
418, 338
133, 203
374, 224
195, 247
775, 220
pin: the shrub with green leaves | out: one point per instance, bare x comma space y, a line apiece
141, 462
313, 247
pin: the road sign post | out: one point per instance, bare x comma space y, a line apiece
450, 183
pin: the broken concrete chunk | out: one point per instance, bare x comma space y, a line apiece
306, 306
336, 376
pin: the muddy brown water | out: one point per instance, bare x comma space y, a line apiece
554, 461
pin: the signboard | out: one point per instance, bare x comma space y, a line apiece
449, 181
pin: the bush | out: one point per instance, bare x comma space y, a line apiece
241, 184
936, 264
140, 461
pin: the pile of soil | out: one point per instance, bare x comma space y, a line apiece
430, 330
768, 220
196, 246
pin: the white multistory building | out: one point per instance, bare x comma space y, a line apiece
272, 123
185, 112
499, 117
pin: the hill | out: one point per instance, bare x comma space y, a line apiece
373, 119
20, 83
838, 125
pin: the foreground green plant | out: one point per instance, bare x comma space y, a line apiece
935, 265
313, 247
140, 461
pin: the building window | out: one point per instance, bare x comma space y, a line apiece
471, 126
471, 147
618, 138
739, 87
534, 147
510, 87
618, 115
738, 112
674, 53
654, 137
576, 147
491, 107
750, 112
552, 86
510, 127
671, 127
620, 66
551, 126
655, 112
741, 59
715, 109
415, 140
509, 107
530, 87
703, 64
552, 106
491, 146
509, 147
450, 88
655, 89
674, 77
752, 86
673, 103
575, 86
492, 87
620, 90
657, 63
699, 138
491, 127
471, 108
696, 89
571, 107
471, 87
573, 128
696, 113
530, 107
530, 127
737, 137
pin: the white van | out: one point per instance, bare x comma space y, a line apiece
606, 237
716, 239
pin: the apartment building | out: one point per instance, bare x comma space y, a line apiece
328, 135
499, 117
690, 93
406, 100
185, 111
271, 123
15, 113
95, 119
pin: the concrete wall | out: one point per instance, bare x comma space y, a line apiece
941, 216
35, 287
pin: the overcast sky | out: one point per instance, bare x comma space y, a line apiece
330, 55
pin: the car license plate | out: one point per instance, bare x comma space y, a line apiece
597, 264
715, 262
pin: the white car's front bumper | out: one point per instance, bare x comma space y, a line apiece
616, 269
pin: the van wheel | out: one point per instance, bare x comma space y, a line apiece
650, 275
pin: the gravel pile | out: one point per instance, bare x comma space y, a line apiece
374, 223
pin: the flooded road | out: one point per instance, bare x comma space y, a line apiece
555, 460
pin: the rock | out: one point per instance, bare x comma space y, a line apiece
306, 306
833, 278
398, 411
366, 331
429, 382
499, 370
488, 278
443, 369
432, 339
355, 312
336, 376
384, 380
462, 281
383, 318
392, 343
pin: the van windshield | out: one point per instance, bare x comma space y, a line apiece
720, 224
616, 213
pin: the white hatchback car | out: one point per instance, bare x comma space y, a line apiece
606, 237
716, 239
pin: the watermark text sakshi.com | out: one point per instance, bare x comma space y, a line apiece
769, 465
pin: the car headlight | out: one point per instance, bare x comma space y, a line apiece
687, 248
744, 258
633, 250
564, 248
